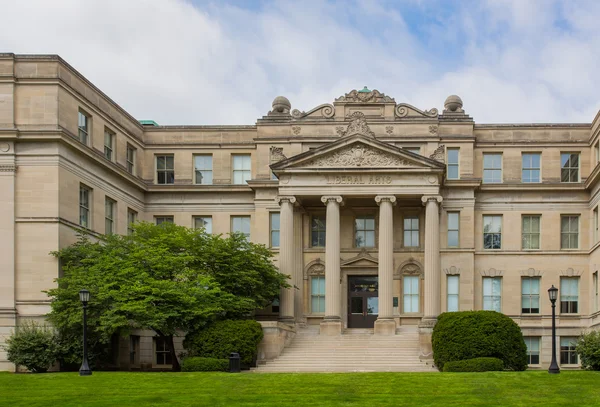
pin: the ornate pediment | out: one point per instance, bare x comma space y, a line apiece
364, 96
359, 155
362, 259
358, 125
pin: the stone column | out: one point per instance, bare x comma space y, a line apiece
386, 324
286, 257
332, 323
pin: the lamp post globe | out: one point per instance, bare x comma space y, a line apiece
553, 295
84, 370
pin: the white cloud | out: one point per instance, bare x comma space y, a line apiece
180, 63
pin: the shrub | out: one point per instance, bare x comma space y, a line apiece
475, 365
197, 364
224, 337
588, 349
474, 334
32, 346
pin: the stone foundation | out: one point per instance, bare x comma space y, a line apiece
385, 327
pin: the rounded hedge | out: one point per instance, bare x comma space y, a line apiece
197, 364
475, 365
224, 337
474, 334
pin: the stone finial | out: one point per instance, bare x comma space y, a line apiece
453, 104
281, 105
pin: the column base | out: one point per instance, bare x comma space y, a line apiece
425, 331
385, 327
287, 320
331, 327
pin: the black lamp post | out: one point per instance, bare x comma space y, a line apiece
84, 370
553, 294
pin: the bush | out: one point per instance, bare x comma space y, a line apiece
196, 364
588, 349
475, 334
224, 337
32, 346
475, 365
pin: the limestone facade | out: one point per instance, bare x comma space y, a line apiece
434, 212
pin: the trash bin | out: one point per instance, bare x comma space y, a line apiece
234, 363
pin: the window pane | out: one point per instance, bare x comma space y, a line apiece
453, 156
453, 238
452, 172
453, 284
452, 220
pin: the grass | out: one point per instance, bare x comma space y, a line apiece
576, 388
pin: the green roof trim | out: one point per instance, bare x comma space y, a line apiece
364, 90
148, 123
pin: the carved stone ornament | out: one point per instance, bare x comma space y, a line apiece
8, 168
327, 111
286, 198
277, 154
405, 110
389, 129
359, 155
492, 273
411, 267
296, 130
571, 273
433, 129
358, 125
439, 154
452, 271
531, 272
365, 96
314, 268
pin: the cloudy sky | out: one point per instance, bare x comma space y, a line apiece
216, 62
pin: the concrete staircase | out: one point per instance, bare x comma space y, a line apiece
356, 350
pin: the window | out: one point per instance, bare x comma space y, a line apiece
275, 305
595, 290
533, 349
452, 166
530, 295
109, 215
317, 231
241, 224
530, 170
274, 229
241, 169
492, 232
84, 206
453, 285
84, 127
530, 232
109, 142
203, 222
595, 226
492, 168
317, 294
163, 219
165, 169
203, 169
568, 355
131, 219
364, 231
411, 231
492, 294
569, 295
569, 167
453, 229
130, 159
411, 293
134, 350
162, 352
569, 232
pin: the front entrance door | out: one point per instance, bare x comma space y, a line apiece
363, 301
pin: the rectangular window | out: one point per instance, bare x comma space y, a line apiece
569, 295
595, 225
203, 222
530, 295
109, 142
130, 159
317, 231
241, 168
84, 206
569, 167
453, 229
241, 224
364, 231
411, 231
317, 294
569, 232
165, 169
452, 165
109, 215
131, 219
533, 349
492, 168
203, 169
530, 232
84, 127
411, 293
453, 286
162, 352
568, 354
274, 229
531, 166
163, 219
595, 290
492, 232
134, 350
492, 294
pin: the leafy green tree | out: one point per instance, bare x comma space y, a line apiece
166, 278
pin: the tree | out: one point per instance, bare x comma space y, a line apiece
166, 278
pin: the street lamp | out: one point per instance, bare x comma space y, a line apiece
553, 294
84, 370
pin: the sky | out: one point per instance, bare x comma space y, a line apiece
215, 62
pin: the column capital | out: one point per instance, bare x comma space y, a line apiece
286, 198
384, 198
427, 198
333, 198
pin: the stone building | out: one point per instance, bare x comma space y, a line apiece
383, 214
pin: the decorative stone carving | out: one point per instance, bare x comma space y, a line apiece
410, 267
314, 268
491, 273
363, 259
359, 155
327, 111
340, 130
365, 96
281, 107
277, 154
571, 273
290, 199
531, 272
4, 147
390, 198
405, 110
439, 154
433, 129
358, 125
452, 271
426, 198
389, 129
336, 198
296, 130
453, 104
8, 168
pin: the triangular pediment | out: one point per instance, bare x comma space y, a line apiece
362, 259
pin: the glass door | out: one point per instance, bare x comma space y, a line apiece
363, 301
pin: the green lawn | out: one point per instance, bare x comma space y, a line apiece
574, 388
